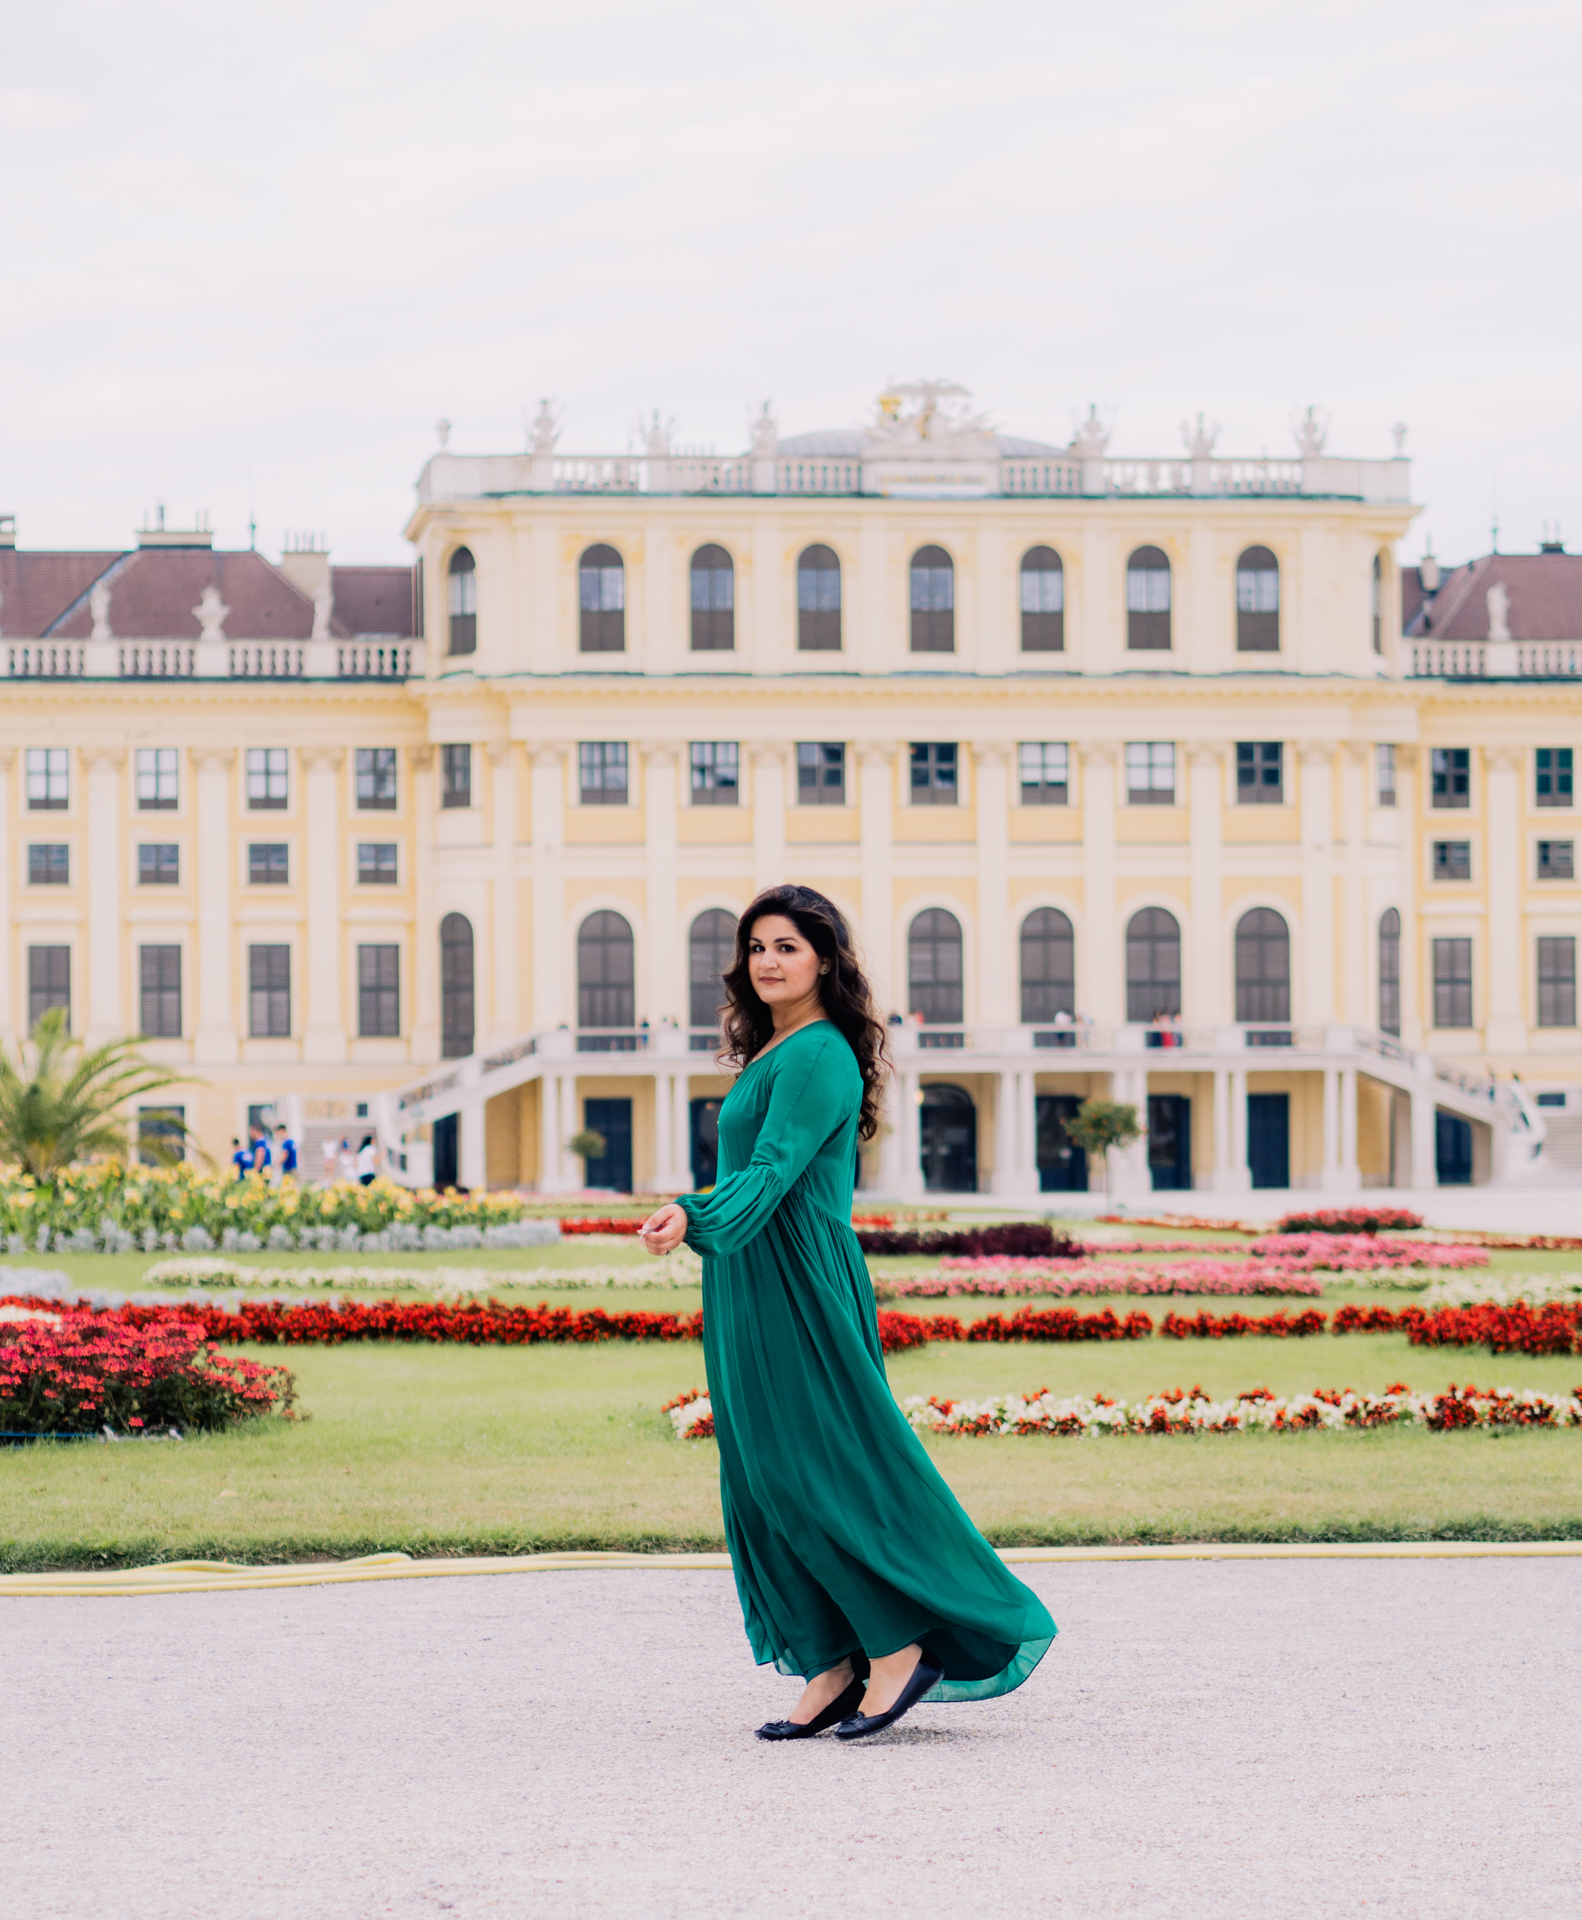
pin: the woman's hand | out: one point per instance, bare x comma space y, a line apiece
664, 1231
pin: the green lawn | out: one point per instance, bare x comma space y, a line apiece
451, 1449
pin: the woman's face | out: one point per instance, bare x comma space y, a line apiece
781, 962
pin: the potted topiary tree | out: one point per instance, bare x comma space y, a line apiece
1099, 1125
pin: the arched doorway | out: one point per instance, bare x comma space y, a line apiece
948, 1140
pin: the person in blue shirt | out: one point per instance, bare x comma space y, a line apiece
259, 1156
241, 1159
286, 1148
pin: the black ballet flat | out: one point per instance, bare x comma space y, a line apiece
839, 1708
926, 1674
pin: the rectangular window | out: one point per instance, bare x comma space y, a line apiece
455, 767
1453, 983
269, 993
1557, 980
48, 982
1452, 859
933, 773
376, 864
1260, 773
269, 864
266, 779
49, 866
1151, 773
159, 864
379, 992
1552, 781
1556, 859
376, 779
601, 766
821, 773
1551, 1099
1044, 770
161, 1135
47, 779
1384, 775
160, 983
1450, 771
156, 779
714, 773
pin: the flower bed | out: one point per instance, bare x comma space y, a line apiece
683, 1268
1035, 1238
1257, 1411
1553, 1328
691, 1415
81, 1373
114, 1209
994, 1278
1337, 1252
1350, 1220
1537, 1289
1234, 1326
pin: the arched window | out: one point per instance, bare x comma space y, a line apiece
462, 590
1153, 964
818, 600
1263, 966
455, 986
933, 601
606, 973
1390, 972
1049, 981
713, 601
1148, 601
1378, 603
711, 944
933, 967
1043, 601
601, 599
1257, 602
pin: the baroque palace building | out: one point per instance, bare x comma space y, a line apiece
1124, 770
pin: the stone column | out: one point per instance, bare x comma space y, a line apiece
1357, 941
549, 888
681, 1134
472, 1158
9, 1024
1414, 954
1350, 1172
1222, 1146
666, 941
1240, 1168
1329, 1177
1015, 1135
1101, 980
876, 804
769, 814
1207, 985
324, 1037
998, 1001
425, 957
506, 1013
1425, 1166
214, 1041
1505, 1029
105, 920
1317, 975
909, 1099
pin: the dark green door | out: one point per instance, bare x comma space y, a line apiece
705, 1142
1452, 1150
612, 1119
1062, 1165
1269, 1139
1170, 1142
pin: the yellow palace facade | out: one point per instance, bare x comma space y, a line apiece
1124, 771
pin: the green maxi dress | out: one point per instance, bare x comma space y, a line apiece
844, 1537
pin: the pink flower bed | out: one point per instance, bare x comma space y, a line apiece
1006, 1277
1359, 1252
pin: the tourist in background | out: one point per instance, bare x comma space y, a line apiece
367, 1161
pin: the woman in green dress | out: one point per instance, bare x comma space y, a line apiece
855, 1564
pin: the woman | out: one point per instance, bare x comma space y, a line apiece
855, 1566
367, 1161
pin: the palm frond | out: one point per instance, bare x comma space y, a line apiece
68, 1102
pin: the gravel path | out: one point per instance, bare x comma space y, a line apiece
1203, 1739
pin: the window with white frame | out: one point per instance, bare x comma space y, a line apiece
48, 779
156, 779
715, 773
1151, 773
1044, 770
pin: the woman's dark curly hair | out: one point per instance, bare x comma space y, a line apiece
746, 1023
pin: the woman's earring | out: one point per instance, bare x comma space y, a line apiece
824, 968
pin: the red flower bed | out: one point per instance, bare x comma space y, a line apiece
600, 1226
1554, 1328
1350, 1220
1059, 1323
1230, 1326
84, 1372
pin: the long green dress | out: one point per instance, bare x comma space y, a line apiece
845, 1539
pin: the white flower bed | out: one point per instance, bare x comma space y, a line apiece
683, 1268
1537, 1289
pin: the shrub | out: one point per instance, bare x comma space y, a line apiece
1350, 1220
1018, 1239
84, 1372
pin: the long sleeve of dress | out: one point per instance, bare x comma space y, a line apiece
805, 1108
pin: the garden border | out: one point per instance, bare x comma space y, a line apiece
211, 1576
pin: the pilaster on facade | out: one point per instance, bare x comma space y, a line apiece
1505, 1026
505, 1020
215, 1042
876, 776
1316, 979
549, 886
664, 988
996, 955
1101, 944
1205, 824
769, 759
426, 956
324, 1038
104, 767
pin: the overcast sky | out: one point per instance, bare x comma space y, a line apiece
249, 254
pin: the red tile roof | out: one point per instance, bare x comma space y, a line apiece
1543, 592
375, 599
154, 595
37, 588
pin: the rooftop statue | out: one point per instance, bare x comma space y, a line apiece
926, 418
